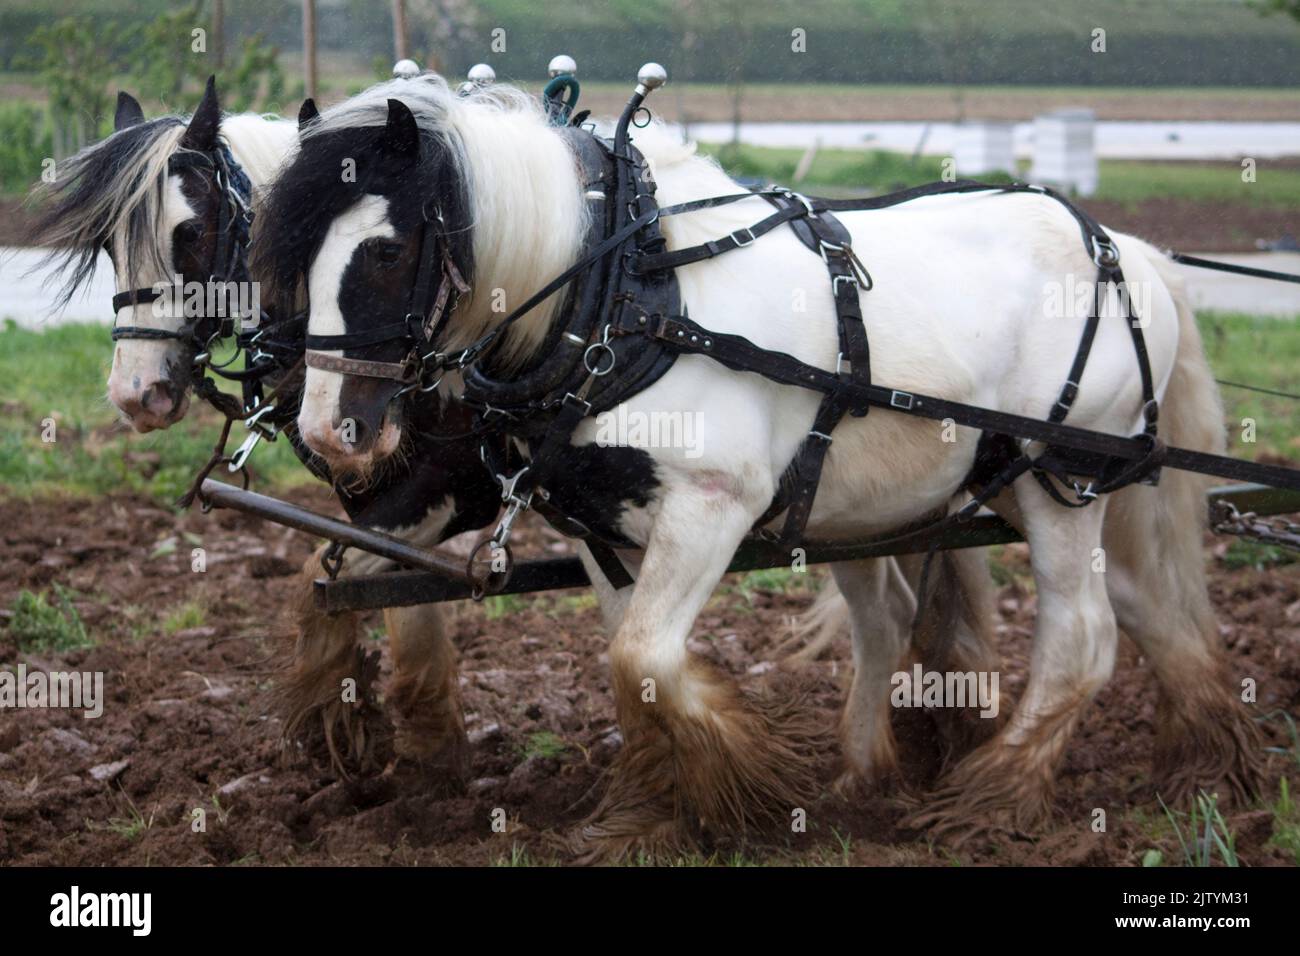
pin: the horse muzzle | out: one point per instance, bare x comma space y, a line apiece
150, 406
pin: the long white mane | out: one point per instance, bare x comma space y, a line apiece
527, 209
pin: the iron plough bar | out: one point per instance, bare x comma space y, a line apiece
429, 576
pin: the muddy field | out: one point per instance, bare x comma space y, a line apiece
190, 663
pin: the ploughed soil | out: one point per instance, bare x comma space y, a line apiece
189, 662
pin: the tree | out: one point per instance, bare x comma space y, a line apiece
73, 59
1290, 8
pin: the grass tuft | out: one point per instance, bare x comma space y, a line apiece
39, 624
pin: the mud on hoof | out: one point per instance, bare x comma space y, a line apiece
1213, 746
681, 780
989, 792
353, 735
429, 728
639, 817
631, 838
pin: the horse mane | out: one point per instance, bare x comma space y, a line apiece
112, 189
524, 218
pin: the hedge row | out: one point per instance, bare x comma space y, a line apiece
838, 50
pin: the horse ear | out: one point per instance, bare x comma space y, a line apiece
128, 112
306, 113
401, 134
202, 131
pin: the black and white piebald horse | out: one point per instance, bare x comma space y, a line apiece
158, 219
960, 309
149, 195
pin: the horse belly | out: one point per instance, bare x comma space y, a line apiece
888, 470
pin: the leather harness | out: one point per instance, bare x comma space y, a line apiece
623, 312
641, 333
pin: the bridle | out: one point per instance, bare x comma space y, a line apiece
229, 261
264, 355
438, 287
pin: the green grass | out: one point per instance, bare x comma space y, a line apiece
1207, 833
1262, 352
781, 580
1293, 733
130, 826
60, 374
517, 857
185, 616
1249, 553
502, 605
45, 622
1286, 822
544, 743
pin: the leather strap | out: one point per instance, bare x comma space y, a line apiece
404, 372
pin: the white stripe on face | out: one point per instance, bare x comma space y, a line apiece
139, 365
367, 219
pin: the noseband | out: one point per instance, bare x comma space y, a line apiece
438, 286
229, 257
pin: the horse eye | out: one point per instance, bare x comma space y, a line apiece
189, 232
388, 252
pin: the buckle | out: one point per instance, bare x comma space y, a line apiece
586, 405
903, 400
1105, 254
850, 279
800, 198
508, 486
828, 249
735, 237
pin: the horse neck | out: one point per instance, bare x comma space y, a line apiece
529, 220
260, 145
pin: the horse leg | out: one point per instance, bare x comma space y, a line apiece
1155, 576
424, 694
954, 632
313, 693
881, 608
613, 601
695, 747
1007, 783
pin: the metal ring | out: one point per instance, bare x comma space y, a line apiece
648, 117
332, 559
207, 348
595, 369
494, 581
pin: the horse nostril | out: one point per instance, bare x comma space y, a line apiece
157, 398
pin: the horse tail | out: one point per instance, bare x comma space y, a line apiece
1154, 542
